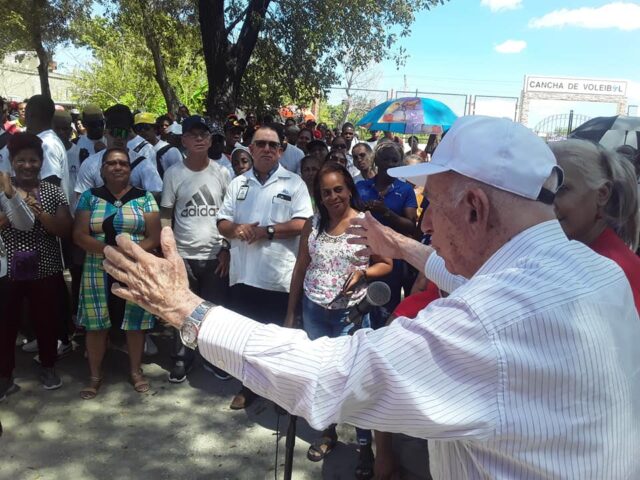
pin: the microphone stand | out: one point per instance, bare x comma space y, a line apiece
289, 446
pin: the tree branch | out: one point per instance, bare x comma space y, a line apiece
233, 24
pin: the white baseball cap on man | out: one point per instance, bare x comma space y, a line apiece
494, 151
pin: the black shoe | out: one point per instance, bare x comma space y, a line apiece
49, 379
220, 374
178, 373
7, 387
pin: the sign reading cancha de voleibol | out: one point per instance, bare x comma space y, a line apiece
581, 86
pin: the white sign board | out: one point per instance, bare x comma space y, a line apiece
582, 86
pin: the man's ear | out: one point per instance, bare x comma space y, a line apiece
477, 207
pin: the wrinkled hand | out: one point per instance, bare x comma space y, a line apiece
5, 185
377, 239
224, 258
246, 232
159, 285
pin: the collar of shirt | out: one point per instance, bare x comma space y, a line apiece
533, 238
275, 169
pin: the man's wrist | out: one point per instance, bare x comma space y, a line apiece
183, 309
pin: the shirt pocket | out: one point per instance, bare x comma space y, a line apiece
277, 267
280, 210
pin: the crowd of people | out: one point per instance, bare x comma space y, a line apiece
259, 210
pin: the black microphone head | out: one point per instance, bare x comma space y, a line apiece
378, 294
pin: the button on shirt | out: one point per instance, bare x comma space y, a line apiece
529, 370
399, 196
265, 264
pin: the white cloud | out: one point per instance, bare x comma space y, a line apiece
620, 15
511, 46
497, 5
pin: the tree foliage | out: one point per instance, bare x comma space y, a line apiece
271, 51
124, 69
249, 54
39, 25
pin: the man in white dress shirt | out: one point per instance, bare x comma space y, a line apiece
528, 370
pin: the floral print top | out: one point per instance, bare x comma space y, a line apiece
332, 260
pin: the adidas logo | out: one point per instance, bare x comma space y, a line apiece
201, 204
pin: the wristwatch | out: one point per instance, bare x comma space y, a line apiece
271, 231
191, 326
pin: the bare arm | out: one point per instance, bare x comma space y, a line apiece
151, 239
59, 224
297, 278
82, 235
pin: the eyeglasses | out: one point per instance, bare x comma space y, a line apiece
199, 135
340, 146
264, 143
113, 163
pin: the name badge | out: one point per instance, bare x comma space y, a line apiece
242, 193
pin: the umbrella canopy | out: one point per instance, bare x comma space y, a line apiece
410, 115
610, 132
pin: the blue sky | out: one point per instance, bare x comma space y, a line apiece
456, 47
486, 47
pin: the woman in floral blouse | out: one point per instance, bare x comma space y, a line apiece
330, 279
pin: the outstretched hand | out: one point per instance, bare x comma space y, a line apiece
159, 285
376, 238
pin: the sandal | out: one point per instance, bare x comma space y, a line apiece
321, 447
89, 392
364, 469
139, 382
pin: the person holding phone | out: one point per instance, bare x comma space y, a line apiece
329, 278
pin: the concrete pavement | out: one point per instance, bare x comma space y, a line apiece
174, 431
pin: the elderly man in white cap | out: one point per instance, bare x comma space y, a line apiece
529, 369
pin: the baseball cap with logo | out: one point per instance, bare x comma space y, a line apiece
193, 122
494, 151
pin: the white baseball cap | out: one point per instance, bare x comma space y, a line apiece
494, 151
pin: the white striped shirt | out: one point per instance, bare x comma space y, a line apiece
530, 370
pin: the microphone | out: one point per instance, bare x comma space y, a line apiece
378, 293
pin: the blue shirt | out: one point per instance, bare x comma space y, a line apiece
398, 197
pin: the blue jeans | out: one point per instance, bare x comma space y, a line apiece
319, 322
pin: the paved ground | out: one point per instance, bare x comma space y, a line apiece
183, 431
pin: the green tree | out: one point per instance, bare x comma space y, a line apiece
39, 25
124, 69
263, 51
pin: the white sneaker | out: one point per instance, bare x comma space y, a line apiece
149, 347
31, 347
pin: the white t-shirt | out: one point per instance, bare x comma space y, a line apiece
55, 160
144, 176
196, 198
291, 158
88, 145
73, 160
266, 264
169, 157
224, 162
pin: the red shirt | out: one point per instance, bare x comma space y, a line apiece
610, 245
411, 305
